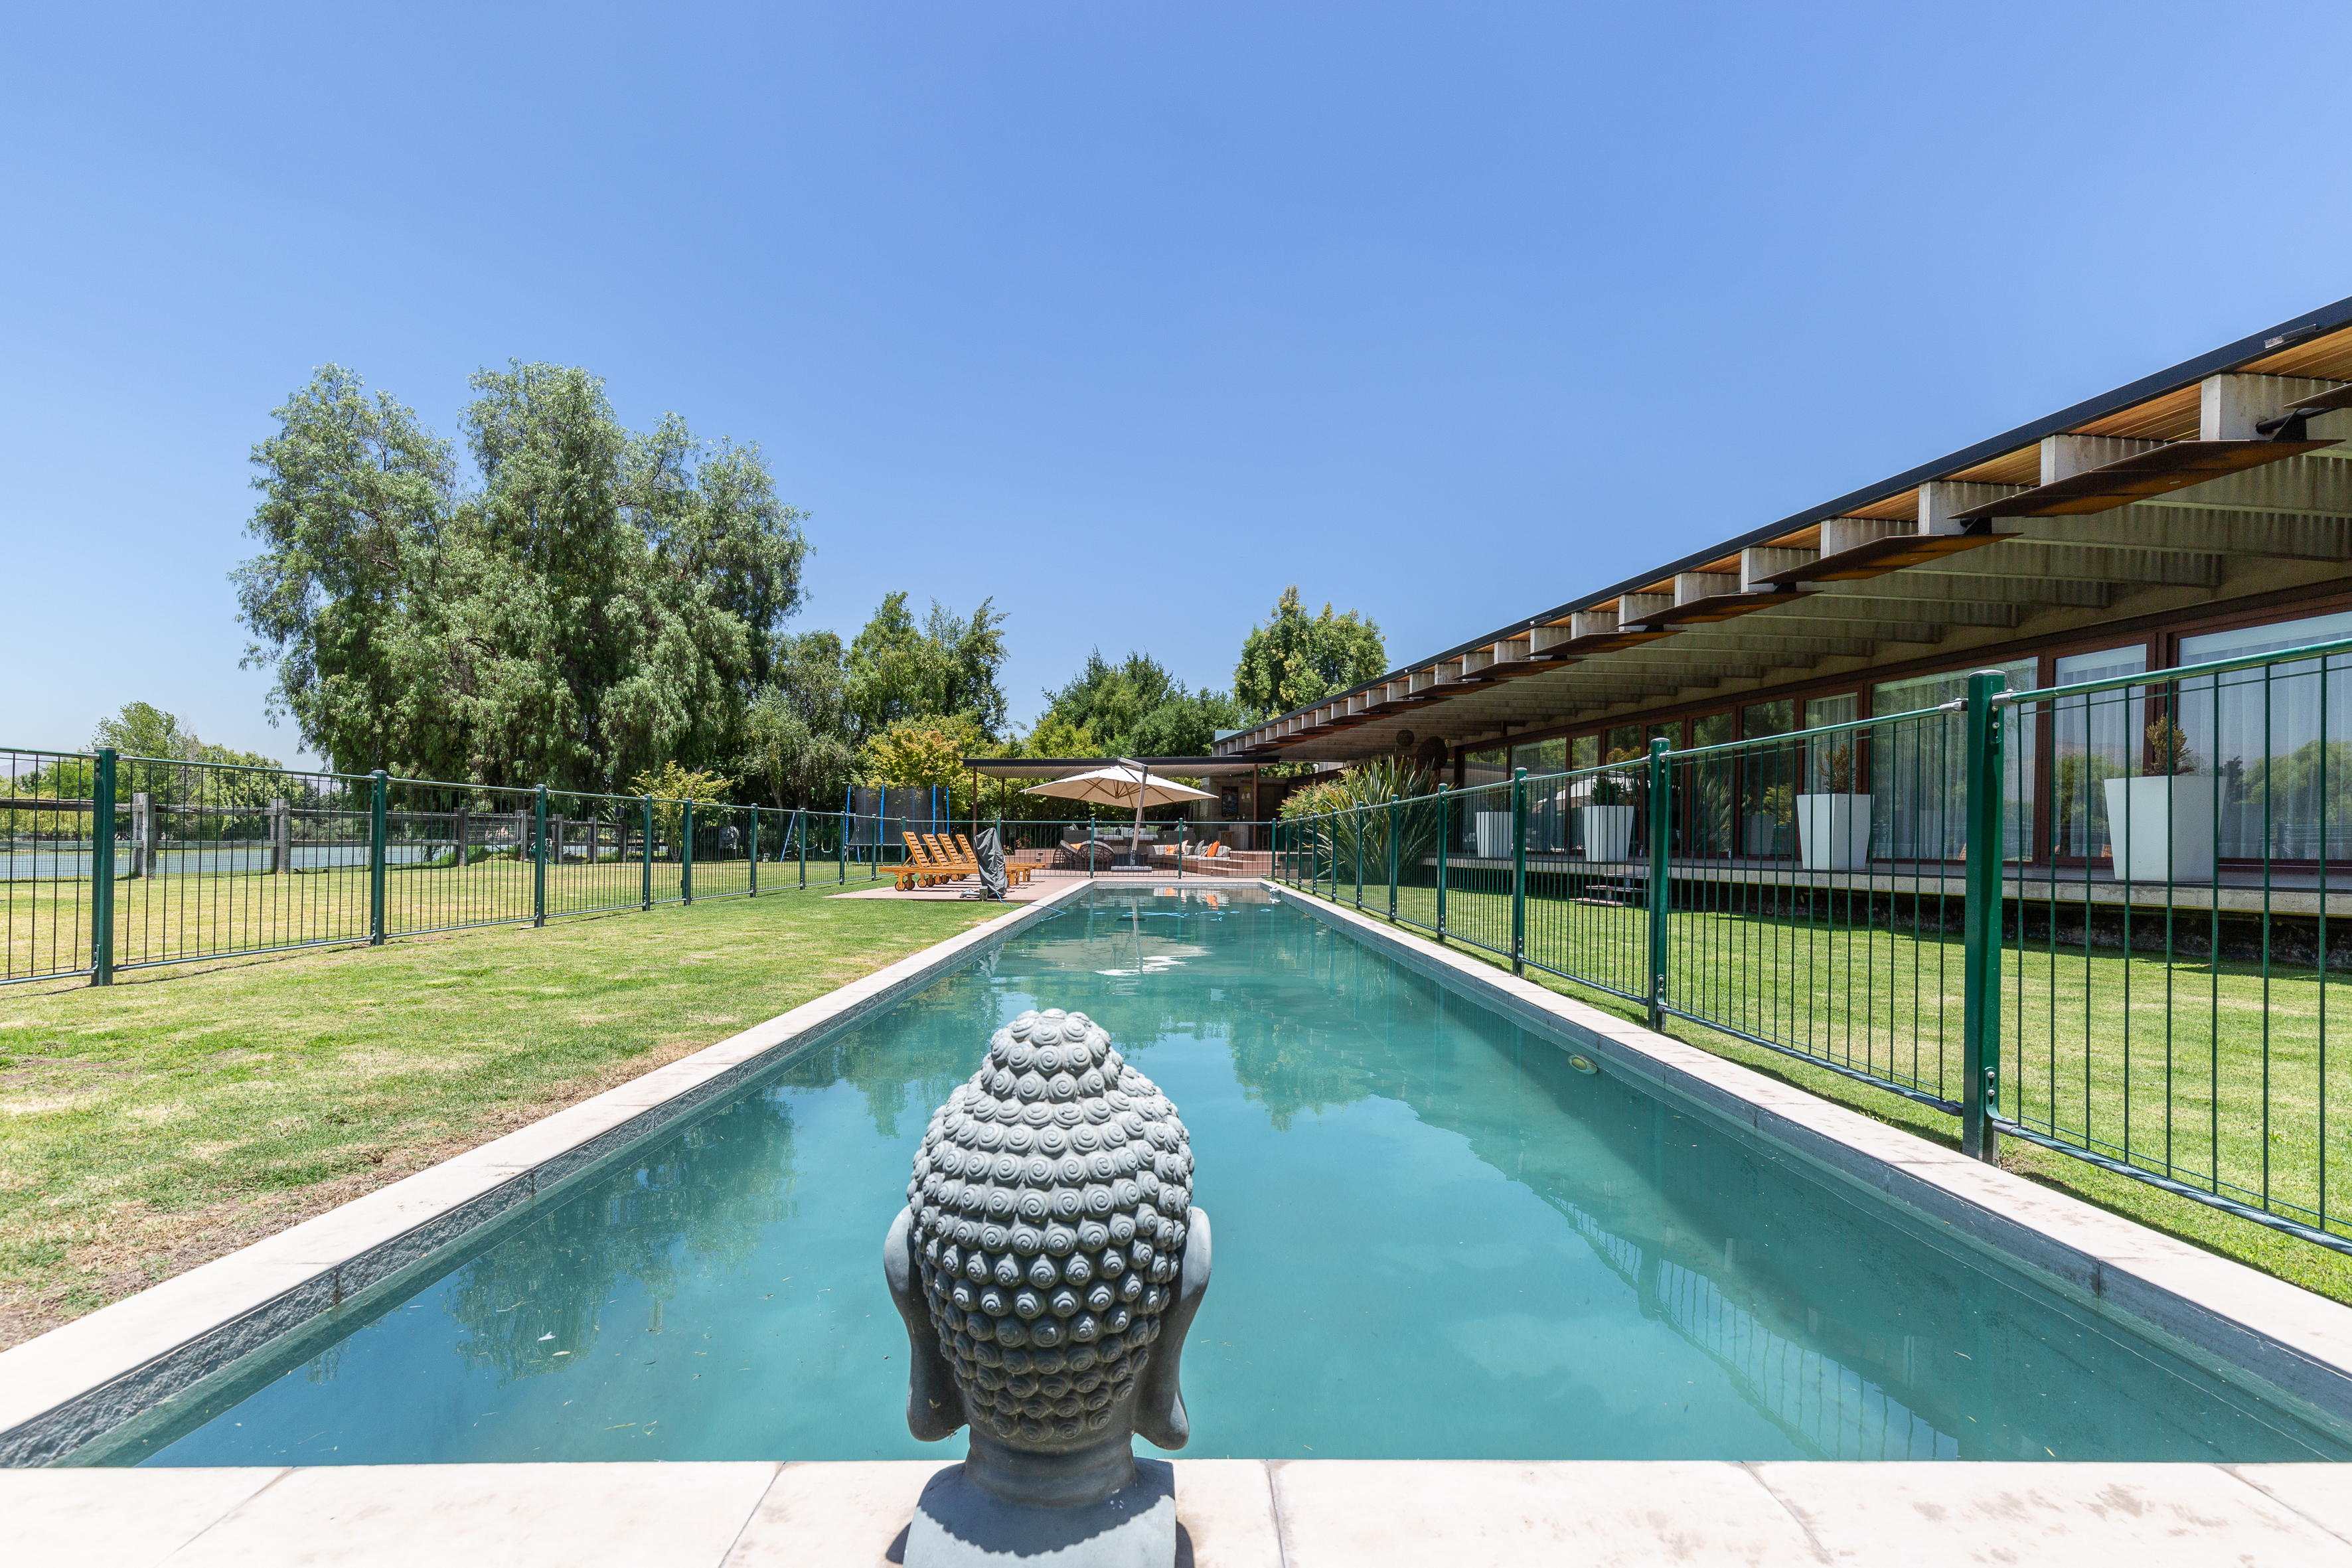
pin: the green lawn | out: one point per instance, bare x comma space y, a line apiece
2202, 1071
183, 1112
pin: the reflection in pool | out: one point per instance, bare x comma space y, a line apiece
1436, 1239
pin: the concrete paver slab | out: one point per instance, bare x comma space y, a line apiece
846, 1514
114, 1518
1372, 1513
1225, 1508
2320, 1493
2063, 1516
513, 1516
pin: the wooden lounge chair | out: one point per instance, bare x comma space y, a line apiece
1014, 875
928, 865
946, 860
916, 870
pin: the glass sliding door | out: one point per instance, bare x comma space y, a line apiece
2278, 739
1770, 778
2092, 739
1918, 774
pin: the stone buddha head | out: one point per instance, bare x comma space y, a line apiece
1048, 1263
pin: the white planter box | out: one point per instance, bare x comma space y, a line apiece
1608, 831
1763, 834
1491, 833
1833, 831
2161, 827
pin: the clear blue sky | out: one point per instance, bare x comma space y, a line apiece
1126, 314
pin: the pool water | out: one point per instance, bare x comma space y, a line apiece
1435, 1239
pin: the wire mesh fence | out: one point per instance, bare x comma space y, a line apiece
2100, 916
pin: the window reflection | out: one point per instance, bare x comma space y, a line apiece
2094, 738
2275, 739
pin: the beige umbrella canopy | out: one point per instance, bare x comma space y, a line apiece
1127, 784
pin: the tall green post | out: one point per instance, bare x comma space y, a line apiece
751, 845
1395, 805
380, 789
1980, 1026
1662, 886
1519, 870
800, 836
647, 895
539, 856
685, 854
101, 870
1362, 815
1445, 835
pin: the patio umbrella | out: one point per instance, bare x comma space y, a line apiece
1127, 784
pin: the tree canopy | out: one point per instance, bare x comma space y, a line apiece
144, 729
598, 602
1134, 708
1297, 658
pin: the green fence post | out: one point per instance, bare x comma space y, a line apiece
841, 848
1394, 806
751, 845
1980, 908
1090, 847
101, 870
539, 856
1445, 833
1363, 816
647, 846
685, 854
800, 836
379, 787
1519, 870
1662, 838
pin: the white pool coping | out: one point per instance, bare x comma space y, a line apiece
2299, 1343
1234, 1513
86, 1378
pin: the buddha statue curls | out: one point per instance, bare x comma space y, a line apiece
1048, 1263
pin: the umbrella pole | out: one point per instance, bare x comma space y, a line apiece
1135, 840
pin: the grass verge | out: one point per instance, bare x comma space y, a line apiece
183, 1113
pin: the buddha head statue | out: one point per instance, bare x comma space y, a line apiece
1048, 1263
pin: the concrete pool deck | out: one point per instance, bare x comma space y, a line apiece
1234, 1513
109, 1369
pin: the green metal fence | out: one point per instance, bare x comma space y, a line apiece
2101, 915
111, 862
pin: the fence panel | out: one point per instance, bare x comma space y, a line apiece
212, 861
48, 861
1587, 915
456, 856
1804, 915
2166, 1000
1478, 867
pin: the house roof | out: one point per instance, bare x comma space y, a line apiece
2161, 483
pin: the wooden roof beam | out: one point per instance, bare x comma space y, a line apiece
2159, 525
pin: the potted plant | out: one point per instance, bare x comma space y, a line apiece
1609, 820
2160, 825
1833, 826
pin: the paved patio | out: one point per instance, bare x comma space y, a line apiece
1232, 1513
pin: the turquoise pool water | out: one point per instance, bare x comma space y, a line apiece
1436, 1239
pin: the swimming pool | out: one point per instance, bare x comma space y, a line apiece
1436, 1239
